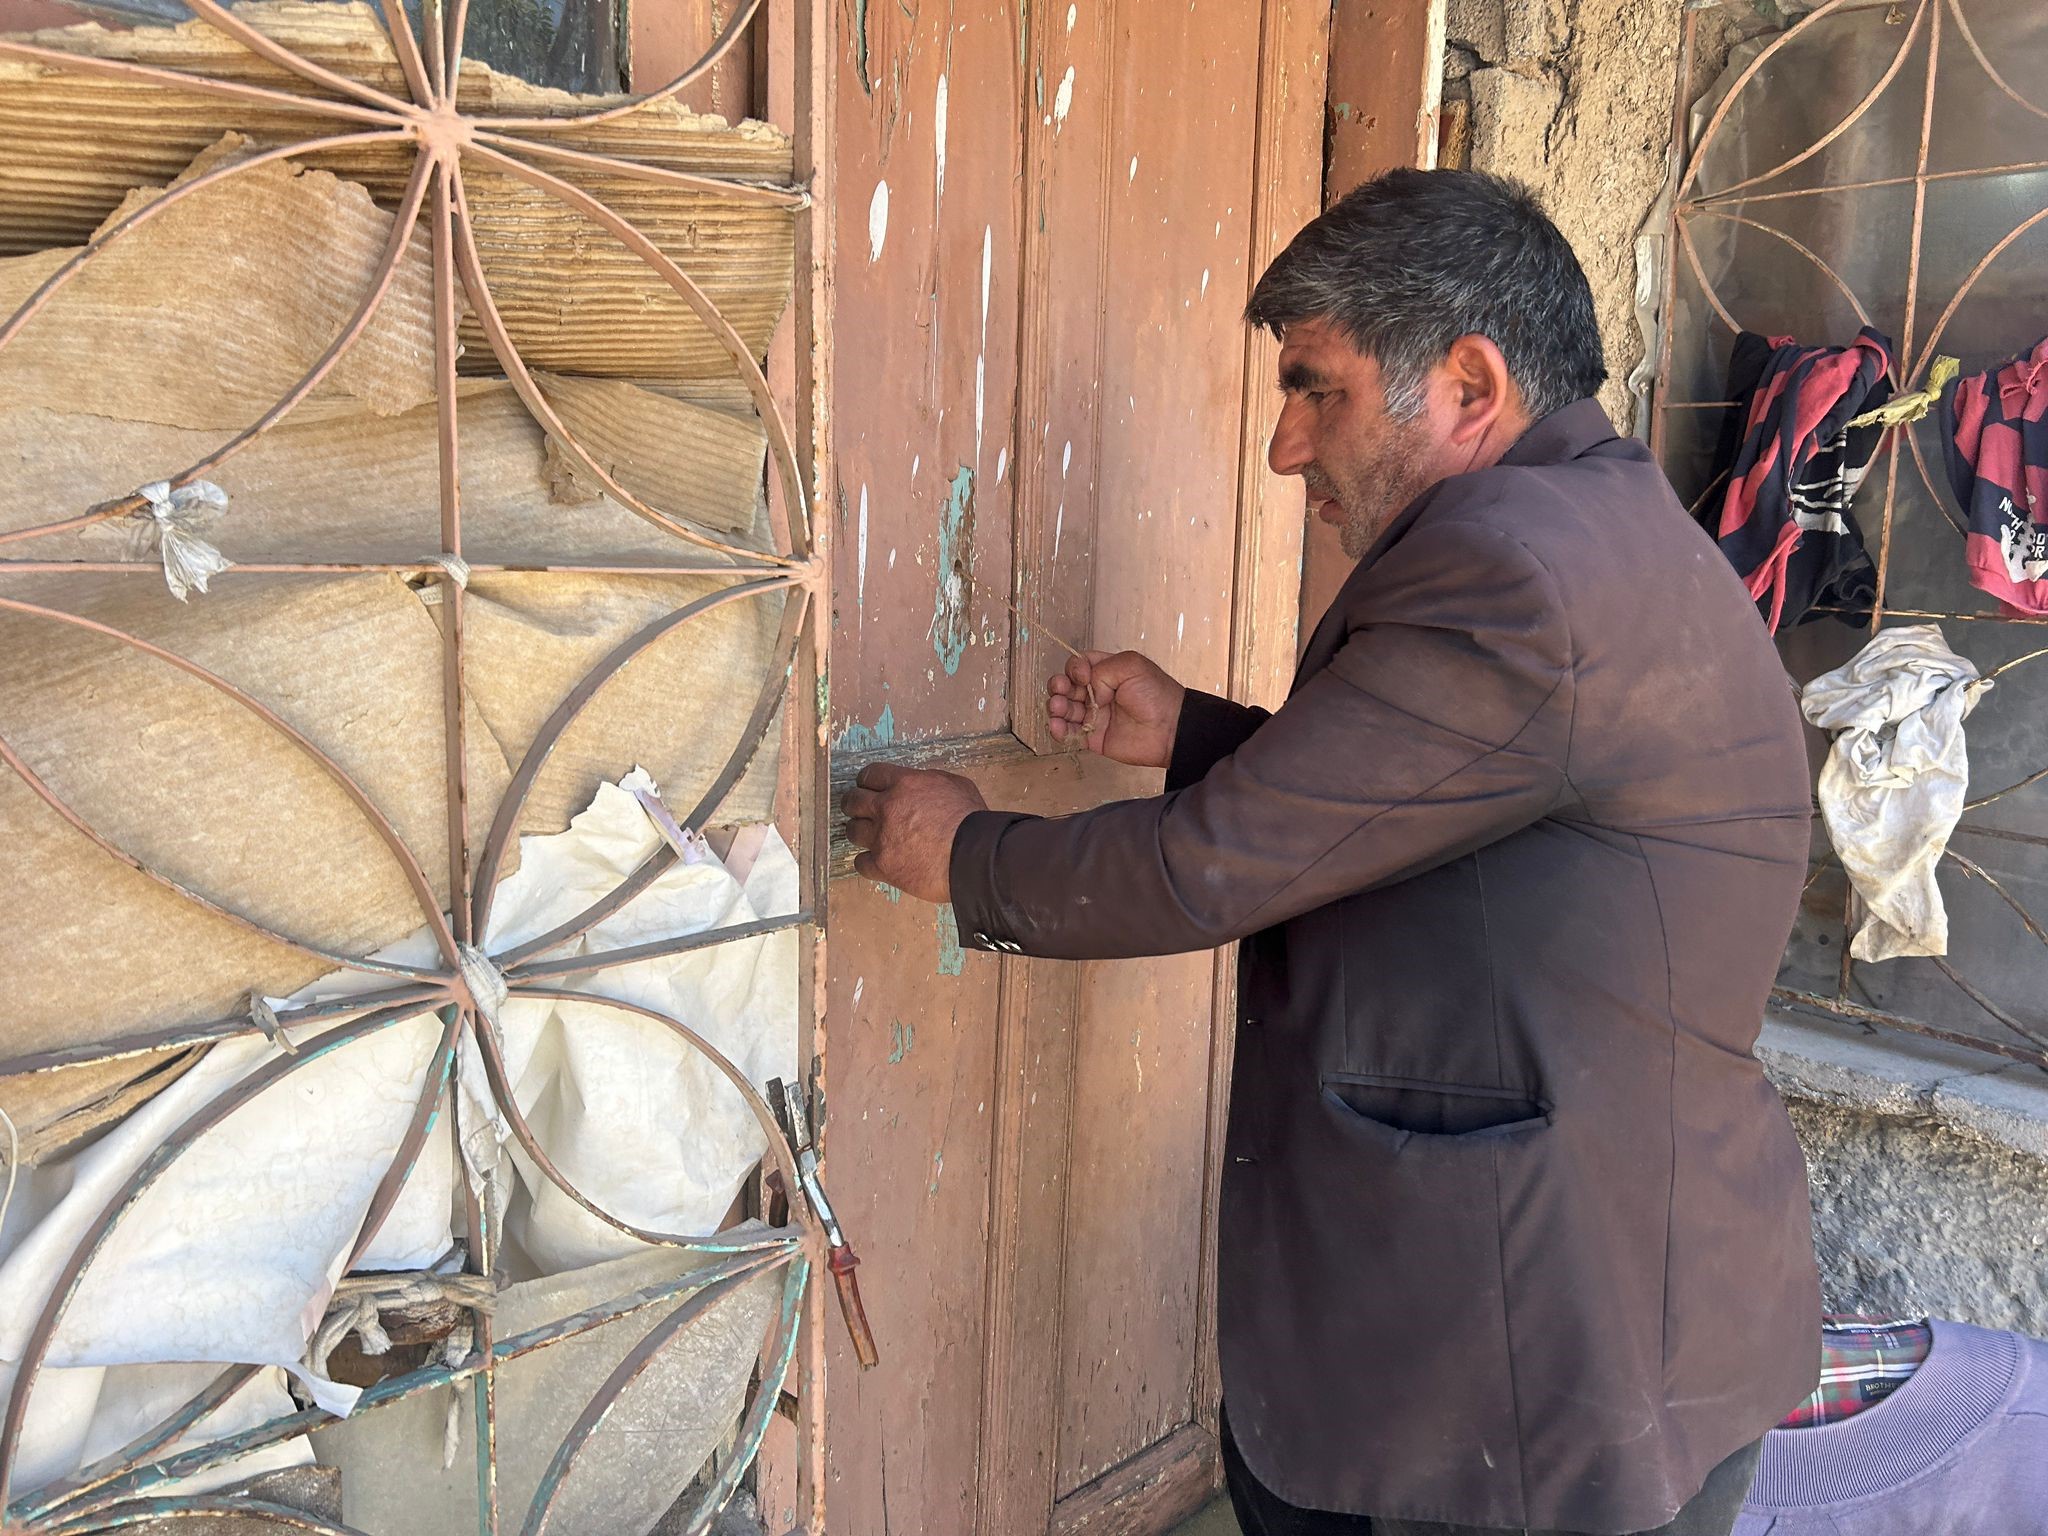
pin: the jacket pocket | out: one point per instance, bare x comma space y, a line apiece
1405, 1107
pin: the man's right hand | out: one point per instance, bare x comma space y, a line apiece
1124, 703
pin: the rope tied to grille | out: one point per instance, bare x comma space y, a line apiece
456, 569
486, 983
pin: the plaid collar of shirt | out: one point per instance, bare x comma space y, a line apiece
1863, 1361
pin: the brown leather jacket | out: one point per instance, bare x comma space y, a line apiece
1514, 1230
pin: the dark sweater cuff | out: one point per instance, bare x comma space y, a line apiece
976, 905
1210, 729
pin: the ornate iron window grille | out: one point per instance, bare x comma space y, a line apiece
428, 119
1929, 30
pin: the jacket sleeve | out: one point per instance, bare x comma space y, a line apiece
1210, 729
1442, 724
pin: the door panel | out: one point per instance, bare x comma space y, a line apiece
1047, 420
925, 370
1131, 1328
911, 1075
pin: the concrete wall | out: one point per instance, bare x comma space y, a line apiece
1911, 1216
1929, 1167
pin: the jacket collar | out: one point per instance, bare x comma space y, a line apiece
1565, 434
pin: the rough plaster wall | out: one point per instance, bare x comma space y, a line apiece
1911, 1217
1574, 97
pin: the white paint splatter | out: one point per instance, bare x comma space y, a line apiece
1063, 100
1134, 170
861, 589
892, 559
860, 985
1002, 464
939, 134
1059, 521
1205, 282
1072, 13
915, 460
988, 252
1180, 628
878, 221
1066, 459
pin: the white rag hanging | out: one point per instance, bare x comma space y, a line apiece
1895, 779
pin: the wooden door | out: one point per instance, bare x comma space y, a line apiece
1047, 220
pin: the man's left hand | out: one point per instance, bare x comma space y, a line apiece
904, 820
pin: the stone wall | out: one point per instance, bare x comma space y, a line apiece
1929, 1167
1911, 1217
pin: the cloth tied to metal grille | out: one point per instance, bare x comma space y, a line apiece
267, 1020
176, 511
486, 983
1895, 778
361, 1301
457, 569
1901, 409
481, 1130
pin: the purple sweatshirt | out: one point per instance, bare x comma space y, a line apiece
1960, 1450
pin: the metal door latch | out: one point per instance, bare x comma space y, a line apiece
787, 1099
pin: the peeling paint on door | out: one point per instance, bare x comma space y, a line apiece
939, 139
955, 573
952, 958
865, 738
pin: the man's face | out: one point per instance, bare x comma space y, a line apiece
1360, 465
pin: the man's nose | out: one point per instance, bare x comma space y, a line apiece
1291, 450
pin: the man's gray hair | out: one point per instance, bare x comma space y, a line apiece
1412, 260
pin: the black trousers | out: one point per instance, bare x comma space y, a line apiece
1260, 1512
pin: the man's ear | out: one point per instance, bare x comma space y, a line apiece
1483, 394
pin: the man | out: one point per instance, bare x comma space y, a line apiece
1514, 1230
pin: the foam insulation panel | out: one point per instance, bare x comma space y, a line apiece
184, 333
575, 299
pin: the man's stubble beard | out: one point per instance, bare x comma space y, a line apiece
1381, 485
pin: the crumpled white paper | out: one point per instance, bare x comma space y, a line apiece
232, 1255
1895, 780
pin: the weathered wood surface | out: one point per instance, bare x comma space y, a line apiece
1090, 447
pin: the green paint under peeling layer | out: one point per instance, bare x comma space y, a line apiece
901, 1037
952, 958
865, 738
956, 555
824, 696
860, 46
